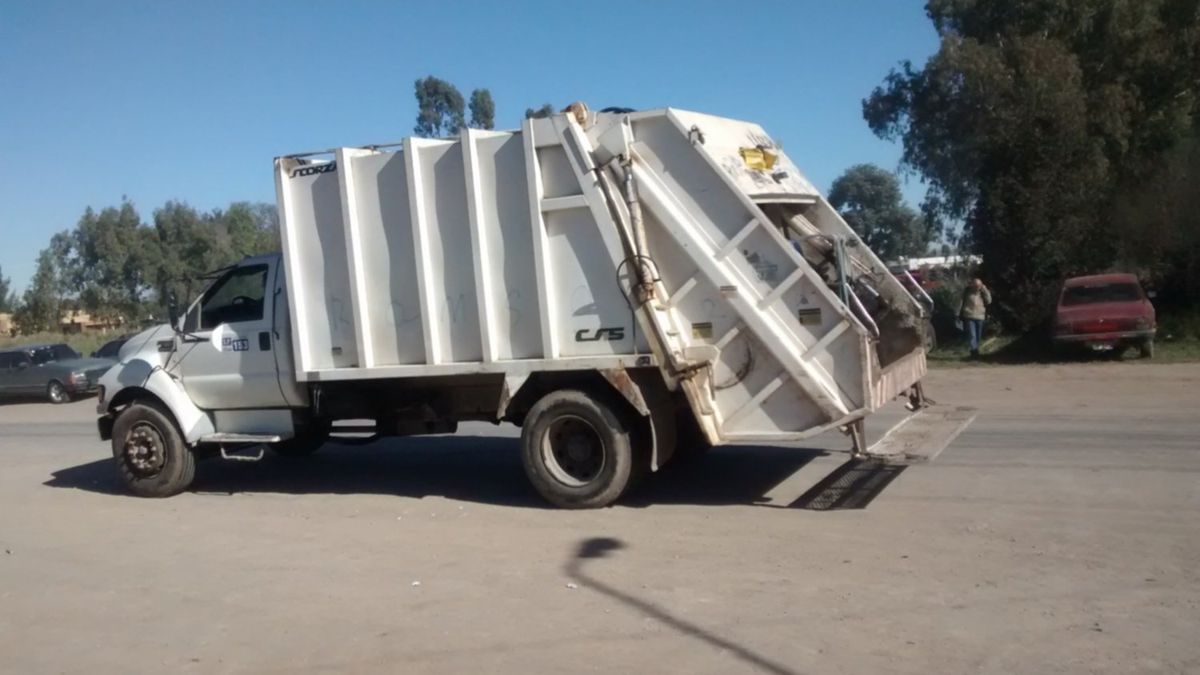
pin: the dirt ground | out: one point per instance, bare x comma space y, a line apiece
1058, 533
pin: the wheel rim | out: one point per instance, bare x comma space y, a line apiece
145, 450
57, 393
572, 451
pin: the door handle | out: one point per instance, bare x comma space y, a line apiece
264, 340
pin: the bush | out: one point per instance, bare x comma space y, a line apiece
946, 300
1179, 326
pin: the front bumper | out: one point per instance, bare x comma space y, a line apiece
1104, 338
82, 388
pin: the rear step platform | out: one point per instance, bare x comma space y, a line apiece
226, 439
241, 438
923, 435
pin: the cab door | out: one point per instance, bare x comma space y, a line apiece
227, 350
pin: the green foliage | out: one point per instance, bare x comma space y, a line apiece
947, 299
439, 108
483, 110
1156, 227
192, 244
40, 304
7, 298
545, 110
103, 263
869, 199
1173, 326
115, 267
1030, 120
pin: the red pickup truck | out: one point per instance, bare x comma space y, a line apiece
1105, 313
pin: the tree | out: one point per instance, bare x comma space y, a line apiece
483, 110
250, 229
105, 262
869, 199
1032, 119
39, 309
7, 300
191, 245
545, 111
439, 108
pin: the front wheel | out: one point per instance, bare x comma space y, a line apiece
577, 450
57, 393
151, 456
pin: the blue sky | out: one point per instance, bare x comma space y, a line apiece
192, 100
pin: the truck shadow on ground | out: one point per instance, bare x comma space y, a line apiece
483, 470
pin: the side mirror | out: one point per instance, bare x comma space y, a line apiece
173, 310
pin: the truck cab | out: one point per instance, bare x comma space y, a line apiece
220, 374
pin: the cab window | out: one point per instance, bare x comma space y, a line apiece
1090, 295
236, 297
44, 355
64, 352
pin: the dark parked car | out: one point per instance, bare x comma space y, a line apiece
1105, 312
52, 370
110, 349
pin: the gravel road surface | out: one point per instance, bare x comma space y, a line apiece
1058, 533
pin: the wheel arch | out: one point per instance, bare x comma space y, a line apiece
165, 391
640, 393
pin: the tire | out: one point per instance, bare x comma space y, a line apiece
1147, 348
577, 450
151, 456
56, 393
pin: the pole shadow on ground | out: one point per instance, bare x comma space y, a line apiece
601, 547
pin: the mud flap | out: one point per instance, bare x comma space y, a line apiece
923, 435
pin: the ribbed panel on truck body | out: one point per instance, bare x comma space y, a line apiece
502, 252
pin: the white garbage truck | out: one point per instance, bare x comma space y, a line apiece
624, 286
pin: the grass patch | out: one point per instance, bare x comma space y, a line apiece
1010, 349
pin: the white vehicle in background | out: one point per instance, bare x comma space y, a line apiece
623, 286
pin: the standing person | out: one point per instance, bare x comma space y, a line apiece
975, 299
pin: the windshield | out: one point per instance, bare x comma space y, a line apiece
236, 297
43, 355
1090, 295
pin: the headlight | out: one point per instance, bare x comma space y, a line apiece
78, 379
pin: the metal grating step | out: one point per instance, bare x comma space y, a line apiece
924, 435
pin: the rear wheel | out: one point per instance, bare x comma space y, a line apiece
577, 450
151, 456
1147, 348
57, 393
